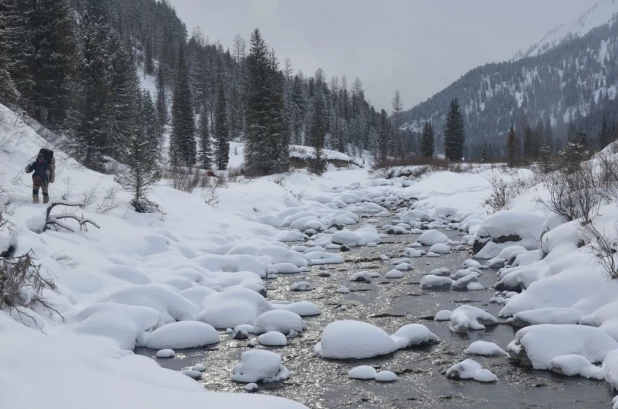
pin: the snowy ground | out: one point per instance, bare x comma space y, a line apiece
195, 274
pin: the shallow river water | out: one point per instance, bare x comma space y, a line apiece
390, 304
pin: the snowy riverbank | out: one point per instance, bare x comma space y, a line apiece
131, 282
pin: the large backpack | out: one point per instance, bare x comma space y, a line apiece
48, 154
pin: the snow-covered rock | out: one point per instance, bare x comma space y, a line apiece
182, 335
166, 353
260, 366
273, 339
414, 335
576, 365
467, 317
393, 274
302, 308
547, 316
484, 348
470, 369
361, 277
435, 282
231, 308
537, 345
386, 376
443, 315
354, 340
440, 248
301, 286
278, 320
431, 237
363, 372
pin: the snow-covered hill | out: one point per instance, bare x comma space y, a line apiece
601, 13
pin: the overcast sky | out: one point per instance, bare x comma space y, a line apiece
416, 46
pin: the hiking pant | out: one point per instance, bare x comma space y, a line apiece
38, 182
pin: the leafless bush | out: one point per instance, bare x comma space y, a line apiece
108, 201
88, 197
22, 287
70, 185
573, 194
187, 180
56, 222
603, 249
501, 195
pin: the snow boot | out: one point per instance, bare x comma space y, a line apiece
45, 199
35, 199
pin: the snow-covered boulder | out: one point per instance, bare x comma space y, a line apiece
182, 335
443, 315
435, 282
386, 376
440, 248
414, 216
354, 340
467, 317
441, 272
470, 369
414, 335
165, 353
510, 226
431, 237
394, 274
610, 367
361, 277
278, 320
484, 348
301, 286
560, 316
230, 308
576, 365
273, 339
537, 345
363, 372
302, 308
260, 366
462, 283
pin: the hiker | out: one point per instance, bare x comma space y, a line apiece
40, 178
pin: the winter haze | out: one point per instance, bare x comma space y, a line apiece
421, 46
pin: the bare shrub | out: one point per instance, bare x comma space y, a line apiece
501, 195
603, 249
56, 222
64, 259
108, 201
70, 185
22, 287
88, 197
573, 194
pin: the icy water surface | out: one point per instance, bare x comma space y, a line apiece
391, 304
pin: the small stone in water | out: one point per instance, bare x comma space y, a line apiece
252, 387
344, 248
324, 274
199, 368
166, 353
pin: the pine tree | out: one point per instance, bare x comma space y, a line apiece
54, 55
528, 143
182, 142
397, 110
454, 133
8, 93
266, 149
512, 147
161, 96
317, 128
88, 119
203, 133
149, 67
427, 140
152, 128
605, 137
222, 144
545, 158
484, 152
136, 152
384, 137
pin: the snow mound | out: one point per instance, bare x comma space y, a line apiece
431, 237
441, 272
414, 335
361, 277
165, 353
234, 307
440, 248
354, 340
484, 348
182, 335
278, 320
470, 369
273, 339
393, 274
363, 372
302, 308
467, 317
435, 282
610, 366
260, 366
301, 286
386, 376
537, 345
443, 315
576, 365
562, 316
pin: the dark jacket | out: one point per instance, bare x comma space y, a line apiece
39, 168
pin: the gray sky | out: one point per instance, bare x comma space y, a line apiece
416, 46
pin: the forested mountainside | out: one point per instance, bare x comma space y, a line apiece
561, 86
87, 87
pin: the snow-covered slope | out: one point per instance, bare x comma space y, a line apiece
599, 14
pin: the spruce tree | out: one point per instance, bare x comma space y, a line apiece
222, 144
151, 125
384, 136
266, 149
149, 58
427, 140
203, 133
484, 152
54, 56
605, 137
528, 143
142, 171
8, 93
161, 96
317, 129
512, 147
397, 111
454, 133
182, 142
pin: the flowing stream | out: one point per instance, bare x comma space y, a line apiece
390, 304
